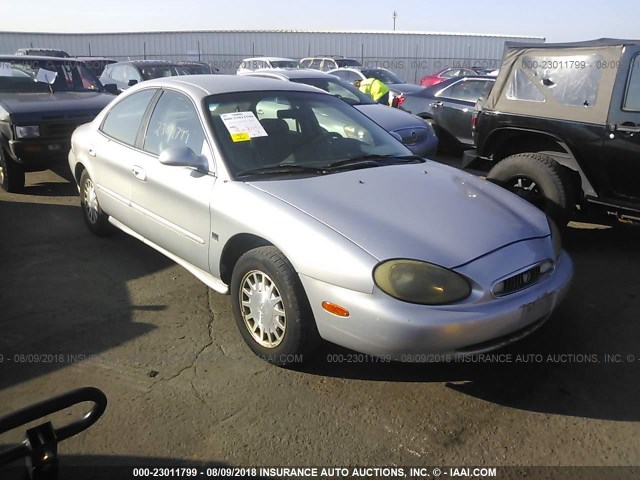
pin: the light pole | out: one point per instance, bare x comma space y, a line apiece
394, 15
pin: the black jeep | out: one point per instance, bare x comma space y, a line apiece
562, 124
42, 100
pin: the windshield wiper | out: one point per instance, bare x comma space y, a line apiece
281, 170
374, 160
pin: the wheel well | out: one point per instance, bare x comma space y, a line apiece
77, 173
510, 142
237, 246
507, 143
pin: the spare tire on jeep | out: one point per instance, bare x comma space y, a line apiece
540, 180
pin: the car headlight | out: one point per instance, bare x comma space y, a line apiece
556, 238
29, 131
414, 281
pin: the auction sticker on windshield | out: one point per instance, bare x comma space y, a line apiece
243, 126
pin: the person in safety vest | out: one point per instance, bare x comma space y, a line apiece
376, 89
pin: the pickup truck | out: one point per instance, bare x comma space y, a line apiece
562, 126
42, 101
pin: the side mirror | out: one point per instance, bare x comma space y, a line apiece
111, 88
183, 157
132, 82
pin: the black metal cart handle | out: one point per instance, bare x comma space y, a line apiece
47, 407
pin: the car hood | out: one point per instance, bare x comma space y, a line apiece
405, 87
391, 119
34, 105
424, 211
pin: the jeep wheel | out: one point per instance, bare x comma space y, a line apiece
538, 179
271, 308
94, 217
11, 174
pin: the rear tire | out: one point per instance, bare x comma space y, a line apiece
271, 308
94, 216
11, 174
540, 180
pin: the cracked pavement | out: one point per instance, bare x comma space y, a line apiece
76, 310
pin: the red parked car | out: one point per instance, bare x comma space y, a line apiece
445, 74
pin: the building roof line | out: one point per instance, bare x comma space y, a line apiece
351, 32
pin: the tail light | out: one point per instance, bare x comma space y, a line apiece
474, 122
398, 100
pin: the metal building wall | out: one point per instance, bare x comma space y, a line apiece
410, 54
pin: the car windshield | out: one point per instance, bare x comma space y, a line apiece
70, 76
342, 90
150, 72
291, 132
283, 64
385, 76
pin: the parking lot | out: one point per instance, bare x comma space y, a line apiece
182, 386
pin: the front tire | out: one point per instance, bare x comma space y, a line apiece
11, 174
540, 180
94, 216
271, 309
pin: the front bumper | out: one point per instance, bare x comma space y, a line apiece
380, 325
36, 153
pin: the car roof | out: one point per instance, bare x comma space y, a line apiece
84, 59
31, 58
203, 85
442, 85
289, 73
144, 62
270, 59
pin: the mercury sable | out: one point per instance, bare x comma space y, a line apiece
342, 235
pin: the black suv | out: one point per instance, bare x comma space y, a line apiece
42, 100
562, 124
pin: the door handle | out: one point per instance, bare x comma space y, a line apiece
437, 104
139, 173
91, 151
627, 128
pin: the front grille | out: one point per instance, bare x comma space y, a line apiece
59, 129
522, 280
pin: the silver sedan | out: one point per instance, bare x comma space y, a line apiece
343, 235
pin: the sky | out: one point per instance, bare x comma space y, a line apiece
556, 20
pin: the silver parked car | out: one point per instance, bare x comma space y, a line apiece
315, 234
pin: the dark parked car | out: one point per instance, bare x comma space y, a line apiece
447, 73
449, 106
417, 135
42, 101
197, 68
126, 74
562, 125
96, 64
43, 52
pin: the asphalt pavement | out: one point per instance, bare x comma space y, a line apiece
76, 310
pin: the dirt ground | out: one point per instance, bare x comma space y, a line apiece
76, 310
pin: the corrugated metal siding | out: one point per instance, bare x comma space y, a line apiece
409, 54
